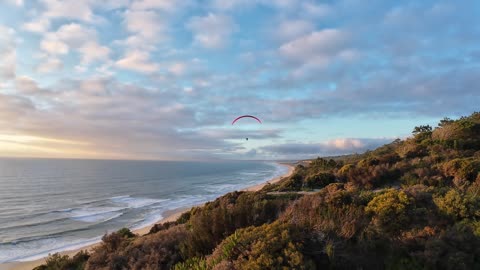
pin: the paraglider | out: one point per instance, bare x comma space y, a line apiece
246, 116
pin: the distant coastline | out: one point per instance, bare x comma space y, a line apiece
170, 215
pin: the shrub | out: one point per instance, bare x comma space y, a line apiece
319, 180
155, 251
246, 249
209, 225
64, 262
390, 211
462, 168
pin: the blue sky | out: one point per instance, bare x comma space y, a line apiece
162, 79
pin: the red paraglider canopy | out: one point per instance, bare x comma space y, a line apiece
246, 116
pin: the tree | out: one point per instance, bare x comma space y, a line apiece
445, 121
422, 129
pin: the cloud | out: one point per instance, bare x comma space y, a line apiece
51, 64
147, 24
13, 109
137, 61
419, 60
251, 153
146, 28
177, 68
316, 10
292, 29
239, 134
7, 53
108, 116
230, 4
73, 36
212, 31
40, 25
18, 3
317, 49
333, 147
164, 5
92, 52
53, 46
70, 9
26, 85
111, 4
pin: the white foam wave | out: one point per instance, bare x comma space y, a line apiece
251, 173
158, 211
132, 202
63, 210
29, 251
86, 216
93, 214
222, 188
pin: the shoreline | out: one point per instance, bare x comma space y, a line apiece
170, 215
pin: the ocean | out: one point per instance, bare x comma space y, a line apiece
51, 205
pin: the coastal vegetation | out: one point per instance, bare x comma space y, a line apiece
410, 204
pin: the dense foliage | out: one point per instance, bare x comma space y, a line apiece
411, 204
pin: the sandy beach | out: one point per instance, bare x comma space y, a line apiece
170, 216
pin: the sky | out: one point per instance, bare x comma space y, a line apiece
163, 79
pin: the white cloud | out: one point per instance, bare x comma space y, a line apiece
8, 64
231, 4
291, 29
71, 9
137, 42
212, 31
111, 4
147, 30
322, 43
6, 36
317, 50
316, 10
145, 23
16, 2
40, 25
8, 54
137, 61
51, 64
188, 89
165, 5
338, 146
54, 47
282, 4
177, 68
75, 35
94, 86
26, 85
92, 51
345, 144
228, 5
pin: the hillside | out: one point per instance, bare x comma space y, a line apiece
410, 204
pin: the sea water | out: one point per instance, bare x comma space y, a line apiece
51, 205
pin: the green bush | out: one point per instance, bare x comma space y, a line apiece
64, 262
319, 180
462, 168
391, 211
